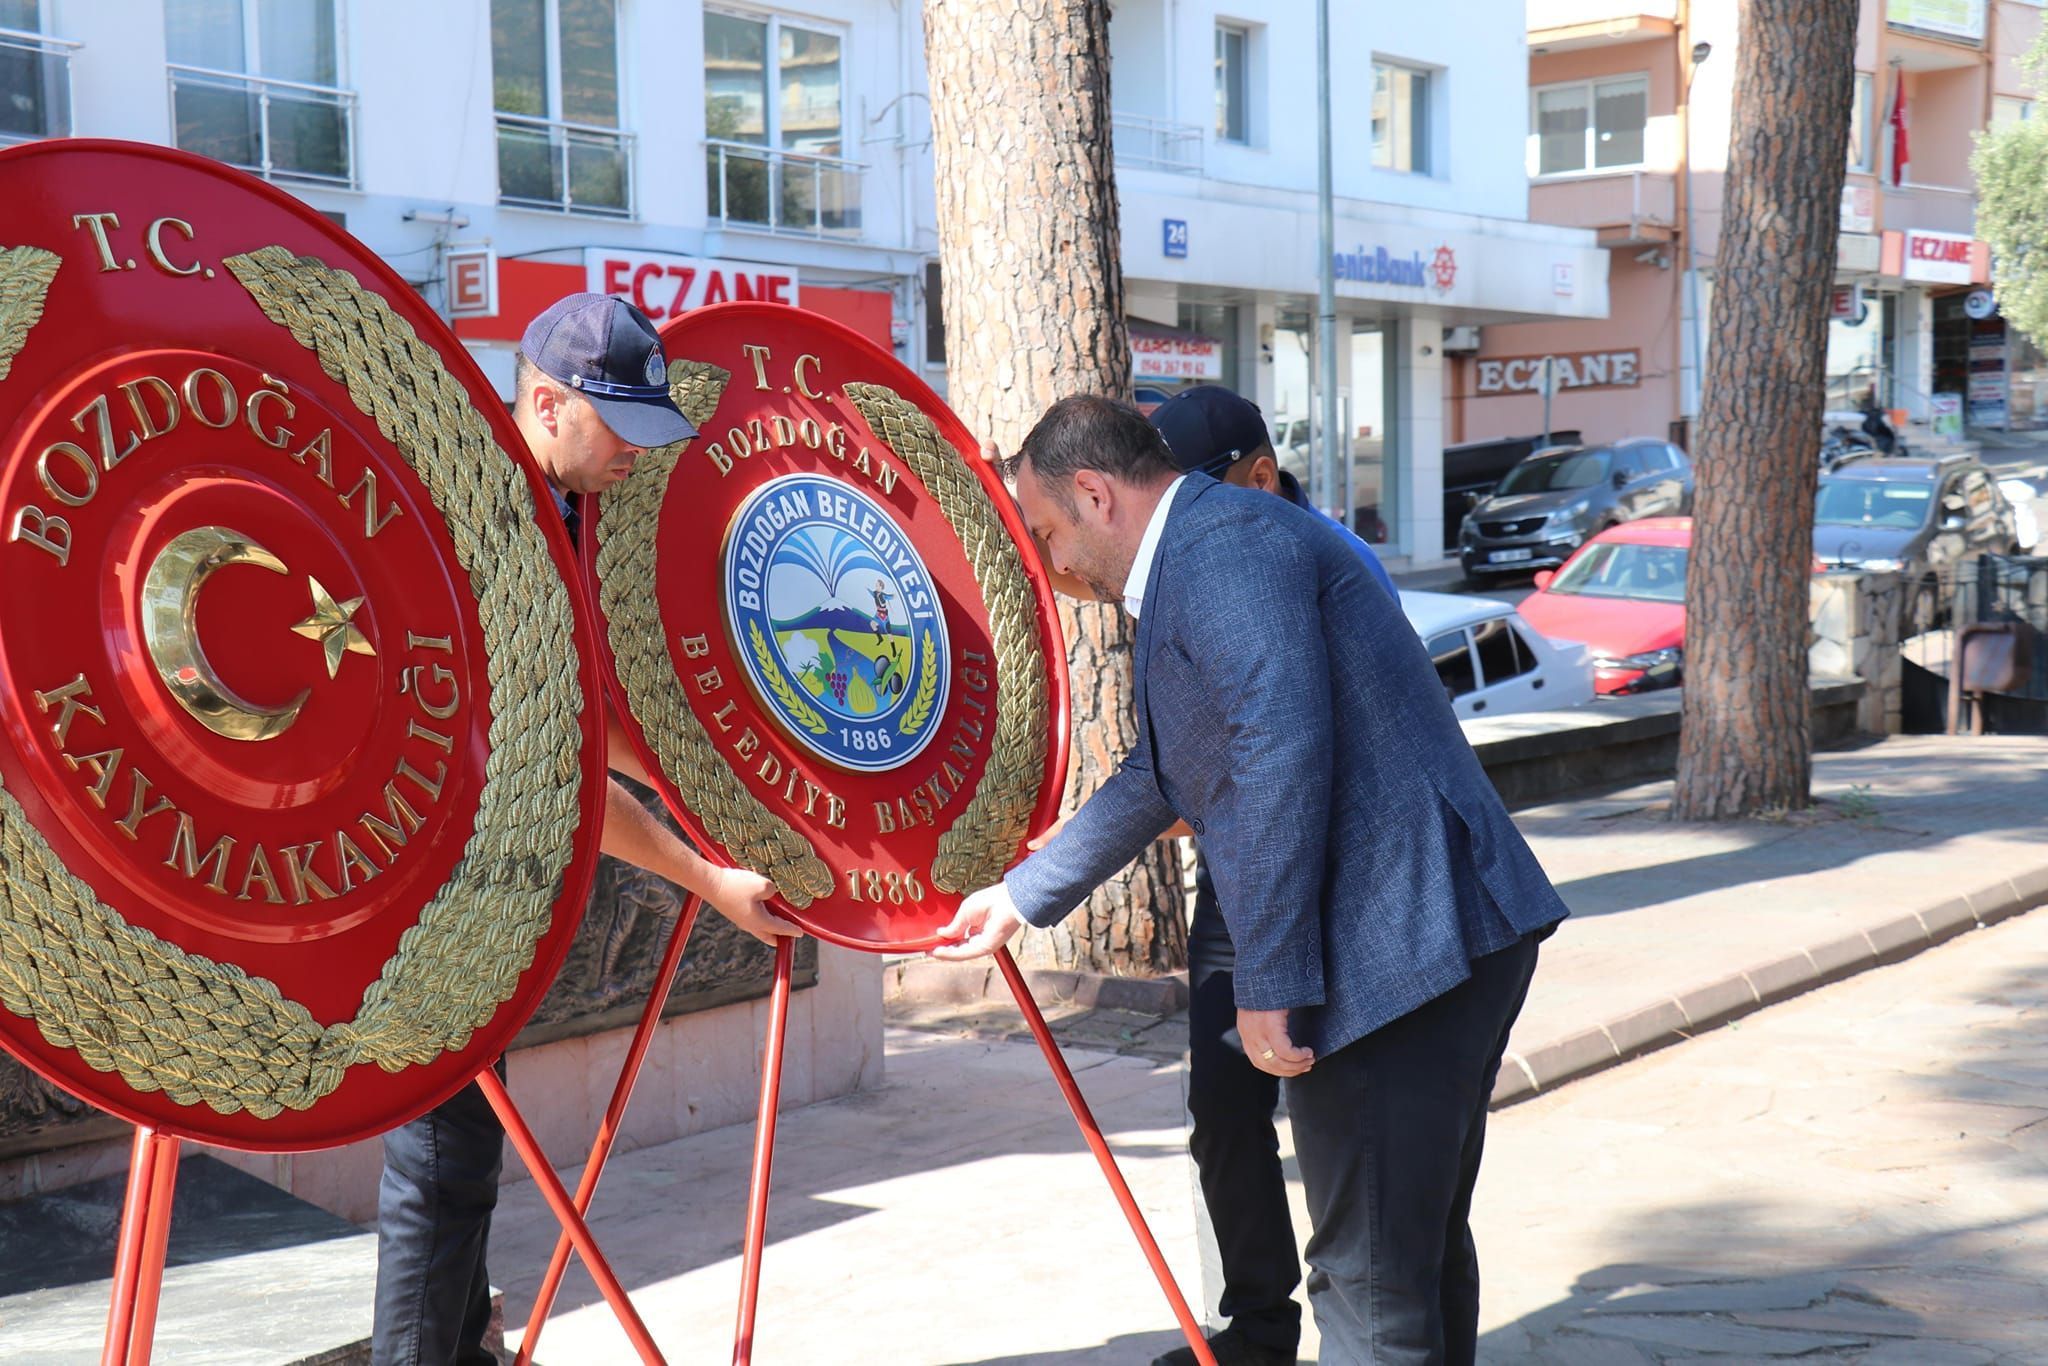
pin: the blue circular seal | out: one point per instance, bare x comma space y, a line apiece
837, 622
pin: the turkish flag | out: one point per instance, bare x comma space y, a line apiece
1897, 119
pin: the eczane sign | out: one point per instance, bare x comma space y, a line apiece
665, 285
1937, 257
1576, 370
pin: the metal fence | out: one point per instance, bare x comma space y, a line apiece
2010, 588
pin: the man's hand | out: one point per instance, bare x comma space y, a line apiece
1266, 1043
742, 897
987, 921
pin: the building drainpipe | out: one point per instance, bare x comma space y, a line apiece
1681, 55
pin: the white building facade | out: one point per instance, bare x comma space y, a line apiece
681, 152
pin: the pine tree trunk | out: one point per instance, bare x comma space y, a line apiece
1034, 305
1746, 745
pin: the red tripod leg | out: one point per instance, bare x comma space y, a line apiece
1092, 1133
139, 1256
135, 1209
149, 1286
551, 1190
764, 1154
614, 1115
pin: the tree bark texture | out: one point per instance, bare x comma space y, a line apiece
1746, 745
1034, 308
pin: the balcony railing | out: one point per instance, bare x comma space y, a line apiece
35, 86
1628, 208
281, 130
1148, 144
790, 192
568, 167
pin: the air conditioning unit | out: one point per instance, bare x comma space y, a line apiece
1460, 340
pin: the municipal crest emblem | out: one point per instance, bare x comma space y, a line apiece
837, 622
828, 633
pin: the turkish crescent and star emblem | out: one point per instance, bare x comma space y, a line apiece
257, 754
301, 740
828, 630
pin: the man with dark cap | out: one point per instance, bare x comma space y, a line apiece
1212, 431
592, 394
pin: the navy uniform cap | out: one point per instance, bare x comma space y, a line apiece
1208, 428
608, 351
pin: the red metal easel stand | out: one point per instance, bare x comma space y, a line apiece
614, 1116
764, 1154
139, 1256
567, 1215
1091, 1132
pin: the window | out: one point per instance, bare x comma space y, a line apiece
253, 83
774, 95
555, 85
1592, 125
934, 314
1502, 653
35, 76
1233, 45
1859, 124
2007, 111
1400, 118
1453, 663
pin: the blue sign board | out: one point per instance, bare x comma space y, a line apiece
1175, 236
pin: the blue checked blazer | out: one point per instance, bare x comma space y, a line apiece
1289, 714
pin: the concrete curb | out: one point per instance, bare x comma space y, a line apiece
922, 981
1524, 1076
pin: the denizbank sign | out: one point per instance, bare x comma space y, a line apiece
1378, 266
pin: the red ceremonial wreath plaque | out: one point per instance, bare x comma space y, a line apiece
299, 781
829, 631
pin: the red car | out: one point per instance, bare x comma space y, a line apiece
1623, 595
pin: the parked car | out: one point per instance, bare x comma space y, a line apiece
1473, 468
1920, 518
1623, 594
1492, 662
1556, 500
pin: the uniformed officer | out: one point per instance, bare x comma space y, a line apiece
592, 396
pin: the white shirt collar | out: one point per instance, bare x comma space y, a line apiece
1148, 551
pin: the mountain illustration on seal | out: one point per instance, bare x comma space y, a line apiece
840, 622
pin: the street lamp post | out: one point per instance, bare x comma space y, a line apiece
1327, 484
1700, 52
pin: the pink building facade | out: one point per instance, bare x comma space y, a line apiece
1630, 109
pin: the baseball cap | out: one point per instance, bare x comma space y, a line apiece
607, 350
1208, 428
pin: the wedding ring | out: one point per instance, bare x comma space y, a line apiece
1267, 1055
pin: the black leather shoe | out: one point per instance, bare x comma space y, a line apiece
1231, 1348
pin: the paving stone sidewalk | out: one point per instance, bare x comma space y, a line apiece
1678, 928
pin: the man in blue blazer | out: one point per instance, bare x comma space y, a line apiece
1385, 911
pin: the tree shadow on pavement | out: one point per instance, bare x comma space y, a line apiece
1997, 790
1879, 1165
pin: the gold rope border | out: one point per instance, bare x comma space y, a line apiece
732, 815
26, 274
207, 1032
976, 850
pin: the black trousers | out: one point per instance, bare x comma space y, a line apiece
1236, 1151
1389, 1131
434, 1205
